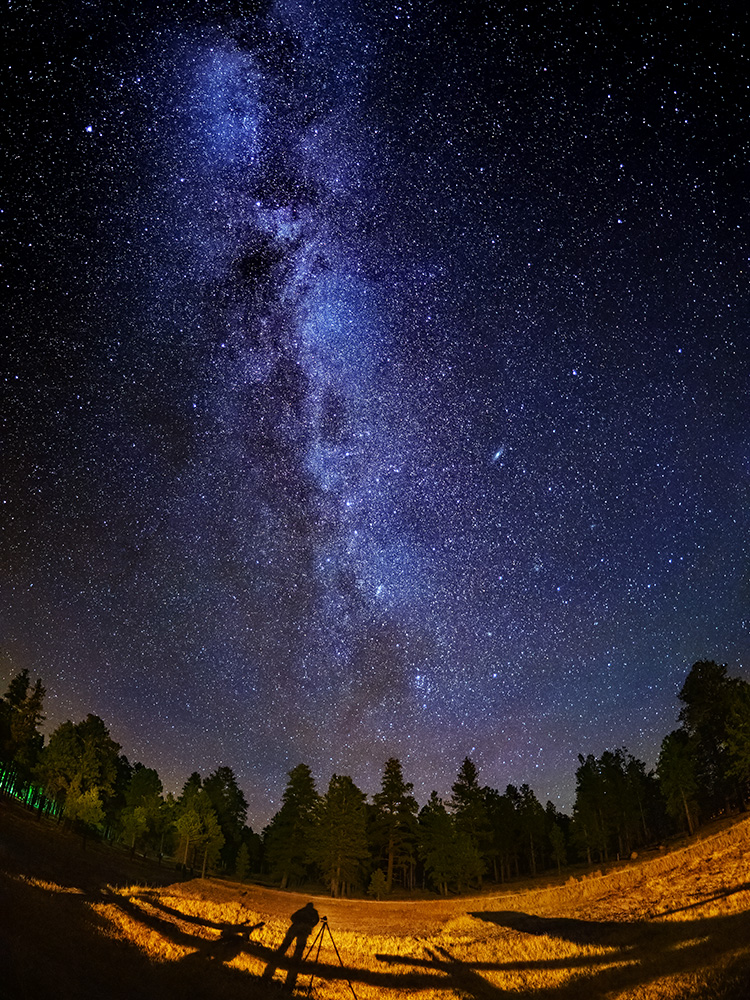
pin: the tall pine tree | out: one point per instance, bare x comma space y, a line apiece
395, 824
288, 836
470, 811
339, 844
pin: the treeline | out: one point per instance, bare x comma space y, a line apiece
81, 777
353, 844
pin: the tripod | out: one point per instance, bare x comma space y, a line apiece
319, 941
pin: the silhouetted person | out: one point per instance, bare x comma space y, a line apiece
299, 931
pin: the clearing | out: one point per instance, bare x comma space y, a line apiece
78, 925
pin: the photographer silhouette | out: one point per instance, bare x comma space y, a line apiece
302, 923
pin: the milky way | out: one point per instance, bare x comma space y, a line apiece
378, 381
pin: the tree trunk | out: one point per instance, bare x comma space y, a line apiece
389, 873
687, 812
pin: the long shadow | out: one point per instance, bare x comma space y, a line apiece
707, 899
647, 950
187, 918
651, 949
54, 944
233, 939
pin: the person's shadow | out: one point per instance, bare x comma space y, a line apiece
300, 929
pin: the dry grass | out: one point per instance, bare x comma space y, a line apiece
675, 926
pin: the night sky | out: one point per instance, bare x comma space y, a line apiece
376, 380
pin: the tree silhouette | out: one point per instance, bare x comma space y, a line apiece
395, 825
557, 843
288, 836
533, 825
21, 715
242, 866
449, 853
436, 838
678, 777
707, 697
468, 804
615, 805
505, 831
230, 807
738, 739
339, 844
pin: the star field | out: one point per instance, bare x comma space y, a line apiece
376, 381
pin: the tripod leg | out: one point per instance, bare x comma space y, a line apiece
340, 962
317, 938
319, 941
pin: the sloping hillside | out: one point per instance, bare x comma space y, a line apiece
674, 926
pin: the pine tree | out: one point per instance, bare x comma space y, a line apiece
288, 836
449, 853
230, 807
339, 844
505, 830
395, 825
468, 804
738, 739
707, 697
21, 715
557, 843
242, 866
589, 815
140, 816
80, 760
678, 776
378, 886
436, 837
199, 830
532, 819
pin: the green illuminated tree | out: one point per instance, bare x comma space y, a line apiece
84, 808
200, 835
189, 829
134, 823
140, 818
80, 763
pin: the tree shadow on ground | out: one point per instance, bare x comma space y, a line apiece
645, 950
95, 965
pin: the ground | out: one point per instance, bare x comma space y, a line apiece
82, 924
